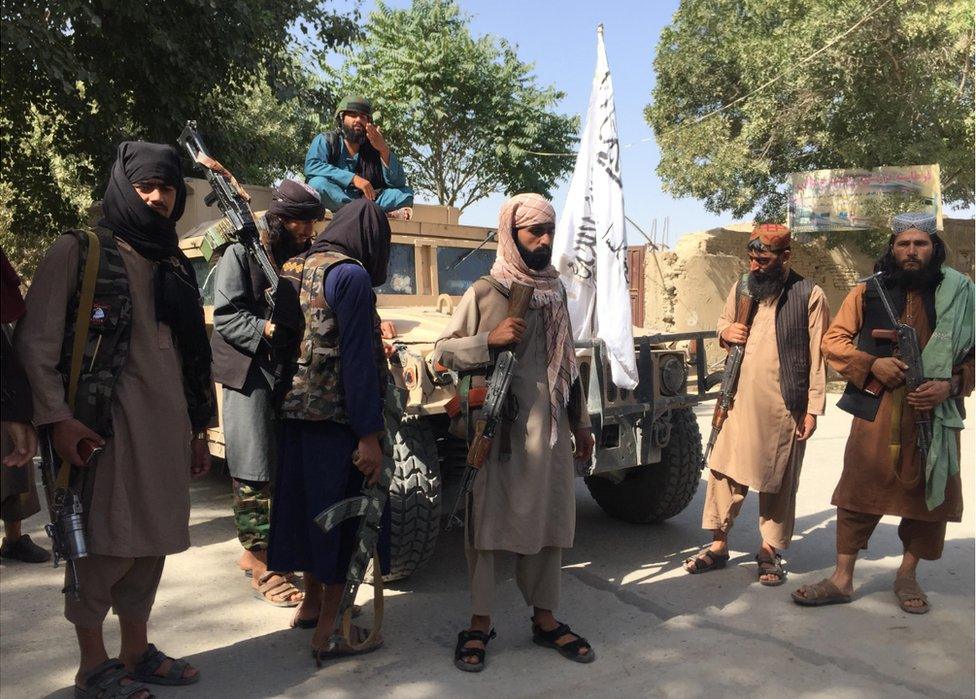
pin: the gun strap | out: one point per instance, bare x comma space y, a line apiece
373, 638
82, 322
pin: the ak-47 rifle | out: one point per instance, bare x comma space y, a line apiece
369, 508
233, 203
501, 379
907, 349
733, 365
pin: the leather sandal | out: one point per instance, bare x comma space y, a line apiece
277, 589
820, 594
697, 564
461, 653
570, 649
907, 589
105, 681
152, 660
770, 565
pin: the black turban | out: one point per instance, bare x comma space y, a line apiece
296, 201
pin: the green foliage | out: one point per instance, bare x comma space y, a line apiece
462, 113
78, 76
898, 90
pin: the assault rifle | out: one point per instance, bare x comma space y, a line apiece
67, 526
733, 365
501, 379
232, 202
907, 350
369, 508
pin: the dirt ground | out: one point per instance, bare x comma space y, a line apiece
656, 630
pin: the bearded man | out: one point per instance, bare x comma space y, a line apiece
145, 395
354, 161
523, 500
884, 471
244, 366
780, 394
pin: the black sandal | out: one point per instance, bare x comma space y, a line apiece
152, 660
570, 649
461, 653
105, 682
770, 566
700, 565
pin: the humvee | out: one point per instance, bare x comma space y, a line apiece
647, 459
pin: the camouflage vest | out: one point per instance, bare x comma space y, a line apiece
316, 389
109, 333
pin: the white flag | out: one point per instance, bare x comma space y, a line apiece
590, 246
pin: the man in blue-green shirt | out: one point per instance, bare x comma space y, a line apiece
354, 161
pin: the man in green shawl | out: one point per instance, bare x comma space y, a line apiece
884, 471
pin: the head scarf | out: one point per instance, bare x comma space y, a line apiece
770, 237
521, 211
919, 220
361, 230
296, 201
177, 296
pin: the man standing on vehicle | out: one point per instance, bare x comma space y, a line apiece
243, 365
353, 161
145, 395
884, 471
780, 394
523, 499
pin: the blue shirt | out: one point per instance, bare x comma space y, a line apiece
317, 165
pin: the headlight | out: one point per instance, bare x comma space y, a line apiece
673, 375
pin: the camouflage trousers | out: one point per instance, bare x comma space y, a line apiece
252, 513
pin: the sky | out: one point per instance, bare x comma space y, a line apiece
559, 38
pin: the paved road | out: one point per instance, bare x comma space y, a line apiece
657, 631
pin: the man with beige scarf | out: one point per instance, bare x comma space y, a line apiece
523, 499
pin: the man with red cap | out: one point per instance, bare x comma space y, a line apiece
780, 394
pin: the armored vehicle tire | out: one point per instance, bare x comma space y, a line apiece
656, 492
415, 498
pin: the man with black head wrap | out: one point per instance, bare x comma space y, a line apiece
243, 365
884, 471
145, 394
333, 408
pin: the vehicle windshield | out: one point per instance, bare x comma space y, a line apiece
401, 277
454, 277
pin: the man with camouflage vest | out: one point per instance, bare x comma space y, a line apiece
145, 395
333, 409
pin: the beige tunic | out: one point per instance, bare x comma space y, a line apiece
141, 499
528, 501
758, 437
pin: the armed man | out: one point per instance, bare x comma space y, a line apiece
906, 379
353, 161
523, 498
244, 366
144, 395
332, 415
779, 396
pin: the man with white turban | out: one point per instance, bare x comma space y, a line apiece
523, 499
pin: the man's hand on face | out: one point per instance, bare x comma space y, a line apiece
368, 457
583, 437
929, 395
736, 334
363, 185
806, 427
376, 139
24, 440
890, 371
199, 458
508, 332
66, 436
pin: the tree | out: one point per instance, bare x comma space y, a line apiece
896, 90
463, 113
78, 76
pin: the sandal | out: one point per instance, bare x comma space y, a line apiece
824, 593
770, 566
570, 649
105, 682
698, 564
344, 649
277, 589
152, 660
461, 653
298, 623
907, 589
